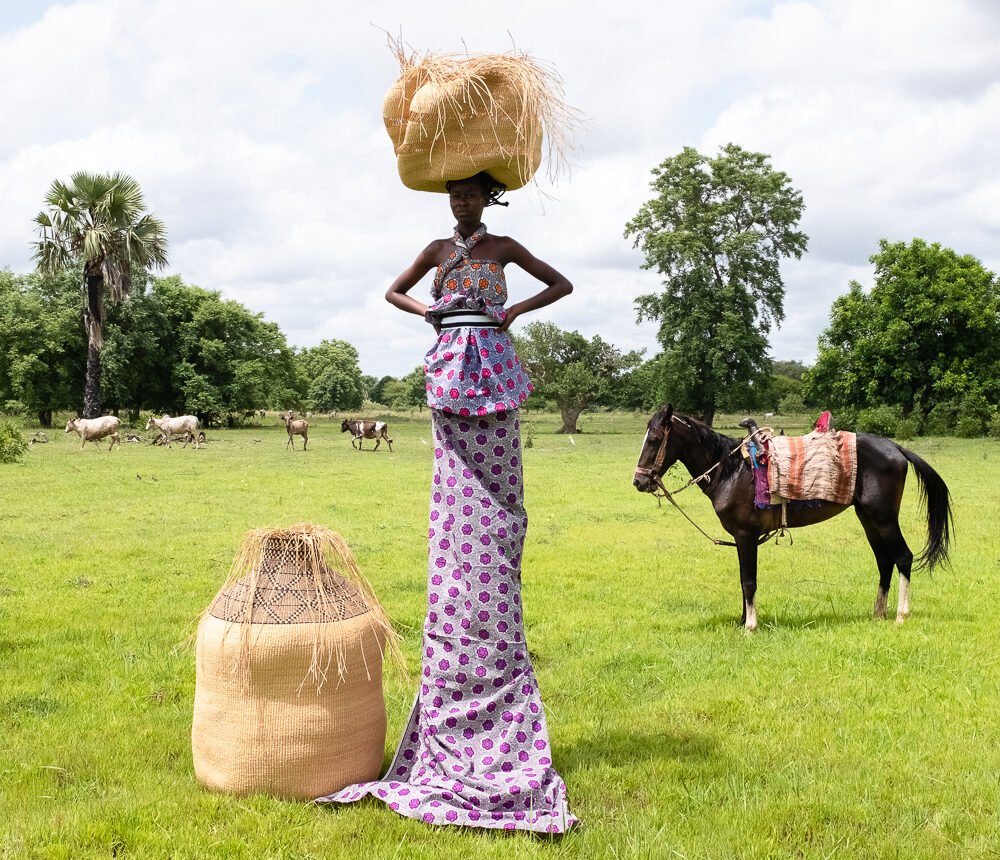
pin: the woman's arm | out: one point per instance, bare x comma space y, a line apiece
556, 287
397, 292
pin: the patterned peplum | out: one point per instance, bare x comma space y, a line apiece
475, 750
472, 370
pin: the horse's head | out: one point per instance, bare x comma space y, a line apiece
658, 452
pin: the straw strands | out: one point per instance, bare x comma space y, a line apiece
450, 116
338, 590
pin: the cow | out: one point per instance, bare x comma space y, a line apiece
94, 429
184, 424
359, 429
296, 428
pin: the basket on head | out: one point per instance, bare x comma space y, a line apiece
288, 694
450, 117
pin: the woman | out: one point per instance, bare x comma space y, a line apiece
476, 748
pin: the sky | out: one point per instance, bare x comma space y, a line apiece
255, 131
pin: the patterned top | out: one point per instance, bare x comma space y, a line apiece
472, 371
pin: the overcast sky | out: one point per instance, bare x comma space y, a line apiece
255, 130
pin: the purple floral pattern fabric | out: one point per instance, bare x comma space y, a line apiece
476, 748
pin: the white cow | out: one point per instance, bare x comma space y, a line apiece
186, 424
92, 429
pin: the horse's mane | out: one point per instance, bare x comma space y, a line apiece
718, 445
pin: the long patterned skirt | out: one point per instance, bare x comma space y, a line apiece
476, 749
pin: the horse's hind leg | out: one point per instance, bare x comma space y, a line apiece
883, 559
891, 550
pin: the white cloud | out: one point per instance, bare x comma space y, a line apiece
255, 130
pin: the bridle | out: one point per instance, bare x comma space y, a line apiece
655, 475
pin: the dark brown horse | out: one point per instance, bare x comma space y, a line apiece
882, 466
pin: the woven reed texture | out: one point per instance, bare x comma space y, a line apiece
284, 592
277, 736
288, 694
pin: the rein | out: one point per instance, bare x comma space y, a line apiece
656, 475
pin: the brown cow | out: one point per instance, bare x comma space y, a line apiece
377, 430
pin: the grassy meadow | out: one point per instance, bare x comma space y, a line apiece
825, 734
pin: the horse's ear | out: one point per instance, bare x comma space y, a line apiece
670, 413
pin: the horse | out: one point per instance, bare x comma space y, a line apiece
881, 476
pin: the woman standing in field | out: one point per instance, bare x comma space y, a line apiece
476, 748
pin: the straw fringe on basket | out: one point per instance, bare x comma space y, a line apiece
451, 115
322, 551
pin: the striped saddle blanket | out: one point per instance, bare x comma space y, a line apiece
815, 466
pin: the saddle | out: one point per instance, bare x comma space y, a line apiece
819, 466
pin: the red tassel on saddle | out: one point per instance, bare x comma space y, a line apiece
823, 425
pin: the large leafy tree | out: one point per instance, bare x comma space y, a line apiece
570, 370
716, 229
101, 221
224, 358
332, 375
41, 343
928, 332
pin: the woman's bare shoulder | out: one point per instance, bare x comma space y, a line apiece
509, 250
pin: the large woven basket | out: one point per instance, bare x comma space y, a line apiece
450, 116
288, 695
454, 129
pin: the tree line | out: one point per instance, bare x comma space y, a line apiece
917, 352
168, 347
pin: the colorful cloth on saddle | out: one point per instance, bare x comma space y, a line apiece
472, 370
815, 466
476, 748
762, 489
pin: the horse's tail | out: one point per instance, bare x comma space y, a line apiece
934, 492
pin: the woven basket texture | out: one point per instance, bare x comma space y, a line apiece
445, 131
270, 730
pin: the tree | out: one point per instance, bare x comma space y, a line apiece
332, 375
41, 344
99, 220
570, 370
717, 231
927, 334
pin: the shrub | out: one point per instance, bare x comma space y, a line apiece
845, 419
907, 428
993, 426
791, 404
973, 415
969, 426
940, 420
12, 444
881, 420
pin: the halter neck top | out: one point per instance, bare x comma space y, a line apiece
472, 370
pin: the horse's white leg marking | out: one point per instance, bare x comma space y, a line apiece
751, 622
903, 609
881, 599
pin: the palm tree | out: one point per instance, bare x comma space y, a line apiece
99, 220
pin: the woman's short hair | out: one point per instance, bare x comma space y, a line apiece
493, 189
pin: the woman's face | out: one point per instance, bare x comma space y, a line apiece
467, 201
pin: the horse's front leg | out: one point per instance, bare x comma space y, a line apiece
746, 549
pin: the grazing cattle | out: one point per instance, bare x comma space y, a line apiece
377, 430
296, 428
186, 425
263, 413
333, 415
93, 429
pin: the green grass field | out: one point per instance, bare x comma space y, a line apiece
825, 734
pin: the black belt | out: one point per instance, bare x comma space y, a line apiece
467, 319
